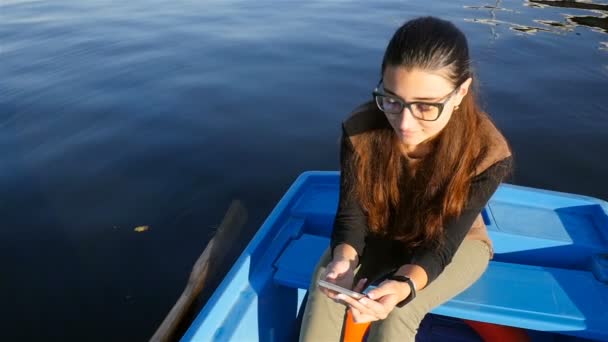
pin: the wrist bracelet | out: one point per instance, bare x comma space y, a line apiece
410, 283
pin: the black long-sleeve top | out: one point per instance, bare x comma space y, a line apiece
350, 225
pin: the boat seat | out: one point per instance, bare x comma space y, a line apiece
531, 297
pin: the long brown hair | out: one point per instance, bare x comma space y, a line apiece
411, 203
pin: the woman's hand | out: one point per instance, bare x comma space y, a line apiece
379, 301
340, 272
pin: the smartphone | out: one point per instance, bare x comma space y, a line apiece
340, 289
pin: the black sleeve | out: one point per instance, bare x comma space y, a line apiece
350, 224
434, 260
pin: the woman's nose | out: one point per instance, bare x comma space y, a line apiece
407, 119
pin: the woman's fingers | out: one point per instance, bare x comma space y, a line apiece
326, 292
362, 305
358, 317
377, 309
353, 303
390, 293
385, 288
329, 273
360, 285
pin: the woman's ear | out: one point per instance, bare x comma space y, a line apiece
464, 89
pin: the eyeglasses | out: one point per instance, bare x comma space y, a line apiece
393, 105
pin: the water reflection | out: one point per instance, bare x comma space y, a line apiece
529, 29
590, 21
568, 4
492, 21
597, 23
490, 7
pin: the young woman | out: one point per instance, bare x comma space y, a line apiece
418, 165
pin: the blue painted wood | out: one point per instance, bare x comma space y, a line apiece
546, 272
532, 297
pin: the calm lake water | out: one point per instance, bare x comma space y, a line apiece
115, 115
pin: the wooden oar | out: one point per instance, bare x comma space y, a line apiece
213, 256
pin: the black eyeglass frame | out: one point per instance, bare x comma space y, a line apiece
404, 104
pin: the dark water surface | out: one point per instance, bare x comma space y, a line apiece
115, 115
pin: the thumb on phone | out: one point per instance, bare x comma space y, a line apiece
331, 272
331, 275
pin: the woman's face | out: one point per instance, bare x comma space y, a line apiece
413, 85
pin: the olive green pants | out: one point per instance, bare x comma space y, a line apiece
323, 318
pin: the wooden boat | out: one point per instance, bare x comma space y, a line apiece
549, 274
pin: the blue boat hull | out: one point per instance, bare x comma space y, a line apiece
549, 273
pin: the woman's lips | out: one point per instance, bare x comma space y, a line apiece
408, 133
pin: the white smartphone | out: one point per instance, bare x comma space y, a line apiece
340, 289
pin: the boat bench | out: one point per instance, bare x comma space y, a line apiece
532, 297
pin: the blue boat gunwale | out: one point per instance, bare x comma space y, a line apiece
278, 214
